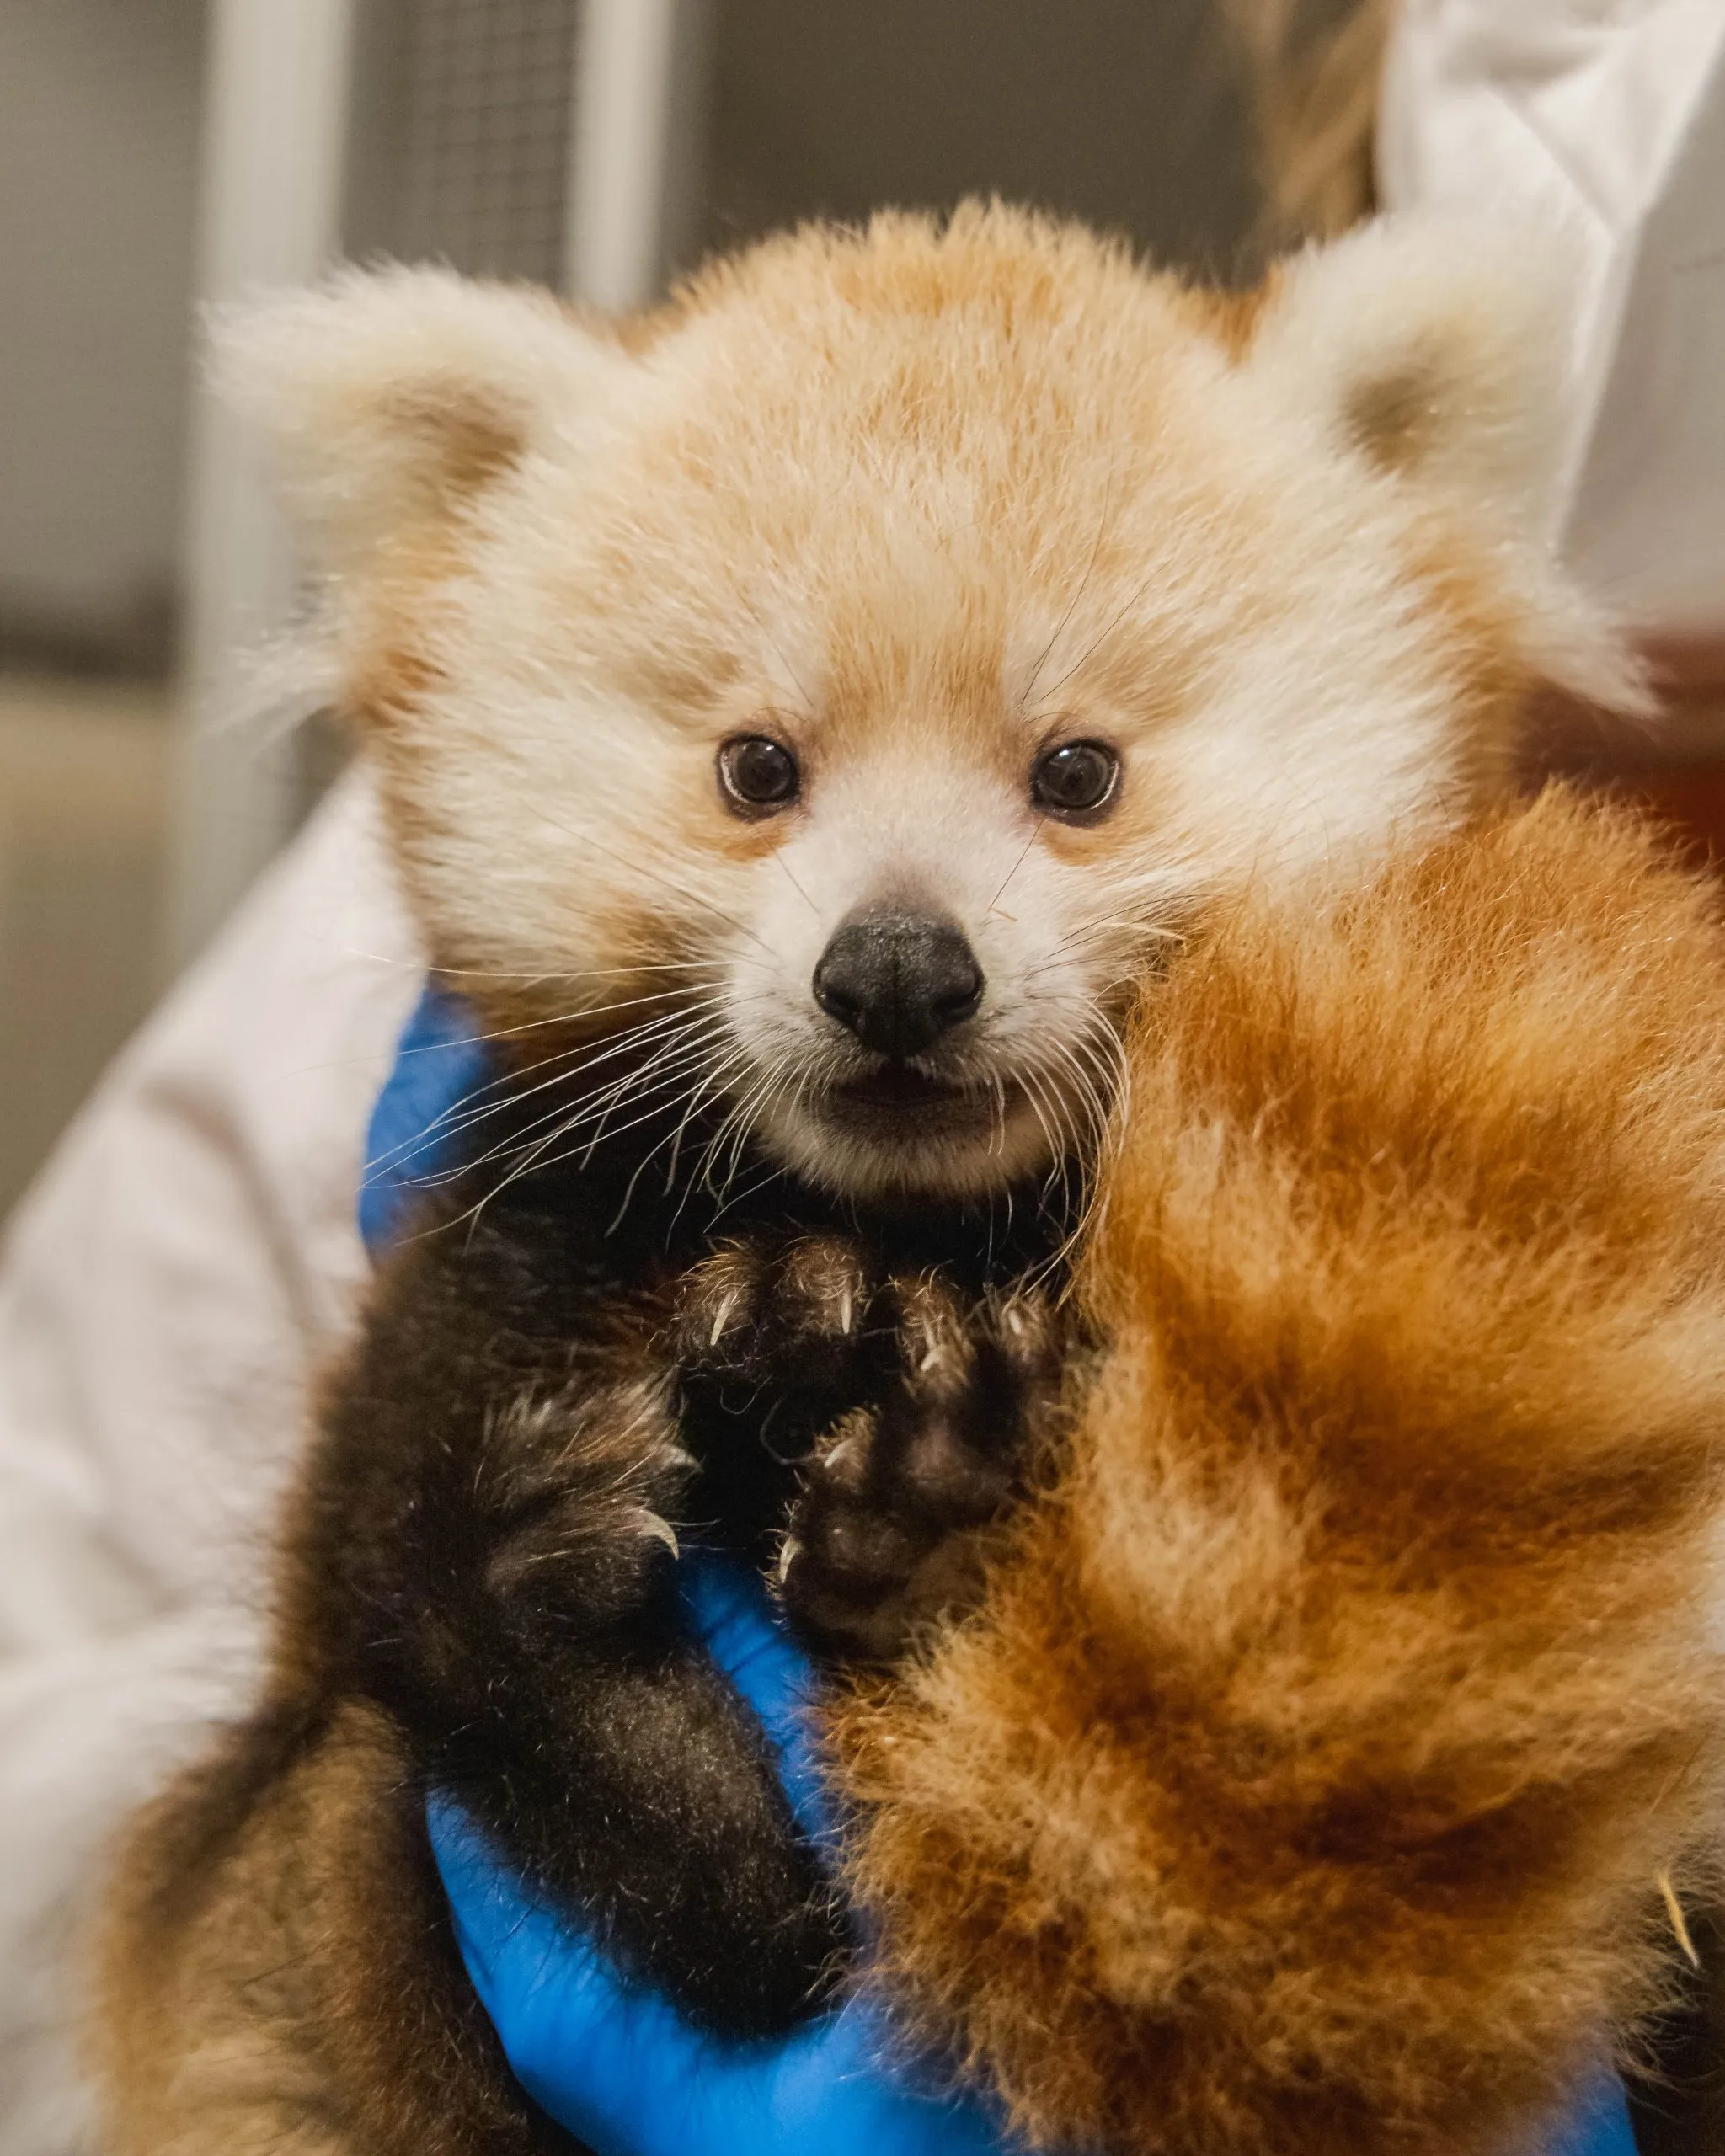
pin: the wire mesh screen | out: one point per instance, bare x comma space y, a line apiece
486, 88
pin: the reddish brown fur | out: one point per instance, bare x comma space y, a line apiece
270, 1986
1303, 1783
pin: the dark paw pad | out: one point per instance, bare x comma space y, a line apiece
887, 1535
749, 1310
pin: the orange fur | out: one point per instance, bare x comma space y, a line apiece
1303, 1782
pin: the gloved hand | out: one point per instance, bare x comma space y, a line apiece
615, 2063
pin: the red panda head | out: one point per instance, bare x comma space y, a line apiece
866, 666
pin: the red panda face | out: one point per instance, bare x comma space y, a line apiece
855, 682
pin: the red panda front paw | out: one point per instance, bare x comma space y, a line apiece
757, 1311
890, 1530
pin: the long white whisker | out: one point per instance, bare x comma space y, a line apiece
719, 1076
736, 1127
461, 1115
540, 1158
781, 1074
670, 1058
784, 864
703, 1086
1101, 526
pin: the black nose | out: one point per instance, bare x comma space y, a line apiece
897, 981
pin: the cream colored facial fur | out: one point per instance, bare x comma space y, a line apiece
919, 502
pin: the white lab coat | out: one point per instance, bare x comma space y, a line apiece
1608, 116
188, 1259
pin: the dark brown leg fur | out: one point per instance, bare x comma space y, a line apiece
279, 1975
1679, 2106
485, 1551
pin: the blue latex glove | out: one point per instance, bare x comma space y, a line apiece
442, 1076
1600, 2126
615, 2063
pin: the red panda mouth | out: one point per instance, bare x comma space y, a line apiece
896, 1100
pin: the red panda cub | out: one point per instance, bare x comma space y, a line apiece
806, 718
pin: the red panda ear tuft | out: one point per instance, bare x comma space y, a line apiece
1441, 351
1438, 348
391, 398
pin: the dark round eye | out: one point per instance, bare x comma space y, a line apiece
758, 774
1077, 779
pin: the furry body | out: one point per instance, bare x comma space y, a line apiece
908, 512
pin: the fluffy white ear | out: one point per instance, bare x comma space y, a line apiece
390, 397
1442, 350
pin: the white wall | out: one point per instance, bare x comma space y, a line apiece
98, 120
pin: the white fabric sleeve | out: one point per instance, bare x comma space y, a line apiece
186, 1262
1610, 120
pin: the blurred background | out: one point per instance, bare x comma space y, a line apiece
157, 154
